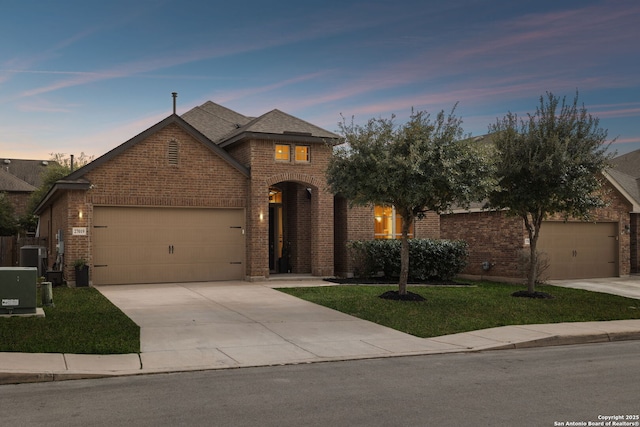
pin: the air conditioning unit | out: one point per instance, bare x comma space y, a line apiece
34, 256
18, 290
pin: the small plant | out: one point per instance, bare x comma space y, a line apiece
80, 263
524, 259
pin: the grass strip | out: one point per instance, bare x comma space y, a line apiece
450, 310
82, 321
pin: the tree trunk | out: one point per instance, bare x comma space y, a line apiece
407, 219
533, 264
533, 228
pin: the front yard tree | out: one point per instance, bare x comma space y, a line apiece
548, 163
422, 165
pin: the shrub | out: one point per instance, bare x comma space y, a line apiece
429, 259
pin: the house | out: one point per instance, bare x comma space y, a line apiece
605, 247
210, 195
216, 195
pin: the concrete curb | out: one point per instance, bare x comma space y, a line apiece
16, 377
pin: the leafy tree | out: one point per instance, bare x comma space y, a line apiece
59, 167
419, 166
8, 223
548, 163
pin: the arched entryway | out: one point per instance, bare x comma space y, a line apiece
290, 228
299, 229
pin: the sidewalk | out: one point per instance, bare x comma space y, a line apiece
202, 326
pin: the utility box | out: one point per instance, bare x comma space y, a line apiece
33, 256
18, 290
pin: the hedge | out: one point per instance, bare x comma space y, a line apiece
428, 259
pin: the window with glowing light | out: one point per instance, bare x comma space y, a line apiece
302, 154
387, 223
283, 152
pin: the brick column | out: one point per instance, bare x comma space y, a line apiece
322, 233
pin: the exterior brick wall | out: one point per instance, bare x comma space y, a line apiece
143, 176
499, 239
428, 227
634, 232
309, 222
19, 201
52, 220
491, 236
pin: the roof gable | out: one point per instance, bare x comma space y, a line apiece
173, 119
214, 121
11, 183
284, 125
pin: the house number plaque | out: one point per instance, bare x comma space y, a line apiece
79, 231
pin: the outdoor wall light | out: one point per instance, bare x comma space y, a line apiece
261, 217
627, 229
80, 214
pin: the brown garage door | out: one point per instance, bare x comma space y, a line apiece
159, 245
580, 250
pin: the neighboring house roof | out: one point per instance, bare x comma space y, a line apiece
11, 183
628, 163
224, 126
625, 176
29, 171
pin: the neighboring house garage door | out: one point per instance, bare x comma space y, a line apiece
156, 245
580, 250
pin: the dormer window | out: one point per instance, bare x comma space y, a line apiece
302, 154
283, 152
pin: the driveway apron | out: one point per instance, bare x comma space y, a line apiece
226, 324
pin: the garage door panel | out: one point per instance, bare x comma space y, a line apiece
153, 245
579, 250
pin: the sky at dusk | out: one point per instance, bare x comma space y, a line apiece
86, 76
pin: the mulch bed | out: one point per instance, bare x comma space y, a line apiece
396, 296
391, 282
536, 295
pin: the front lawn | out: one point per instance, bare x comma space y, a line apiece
82, 321
449, 310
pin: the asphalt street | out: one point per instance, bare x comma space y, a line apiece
548, 386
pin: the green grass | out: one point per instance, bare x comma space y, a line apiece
82, 321
449, 310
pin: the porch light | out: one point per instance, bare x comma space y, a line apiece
261, 217
80, 214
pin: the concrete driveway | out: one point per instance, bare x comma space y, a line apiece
625, 286
191, 326
227, 324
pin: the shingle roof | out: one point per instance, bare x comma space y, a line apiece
214, 121
29, 171
628, 163
11, 183
630, 184
625, 170
278, 122
223, 126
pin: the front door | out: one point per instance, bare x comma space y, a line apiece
276, 232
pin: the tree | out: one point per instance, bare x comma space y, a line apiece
422, 165
59, 167
548, 163
8, 223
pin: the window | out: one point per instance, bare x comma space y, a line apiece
387, 223
283, 152
302, 153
